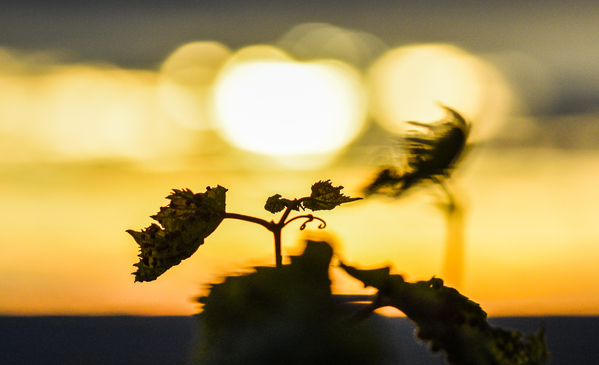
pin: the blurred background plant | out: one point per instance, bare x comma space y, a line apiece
430, 156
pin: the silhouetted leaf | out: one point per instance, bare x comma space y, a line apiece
275, 203
451, 322
184, 224
325, 196
430, 155
374, 278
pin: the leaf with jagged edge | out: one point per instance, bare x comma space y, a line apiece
453, 323
184, 224
325, 196
275, 204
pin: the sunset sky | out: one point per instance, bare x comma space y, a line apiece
105, 108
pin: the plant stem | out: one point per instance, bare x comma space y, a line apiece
242, 217
278, 254
275, 228
276, 231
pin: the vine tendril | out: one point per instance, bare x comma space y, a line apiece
309, 218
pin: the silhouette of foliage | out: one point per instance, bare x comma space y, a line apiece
324, 196
190, 218
283, 315
276, 204
184, 224
430, 156
451, 322
286, 314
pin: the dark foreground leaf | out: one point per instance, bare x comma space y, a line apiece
184, 224
451, 322
276, 203
325, 196
283, 315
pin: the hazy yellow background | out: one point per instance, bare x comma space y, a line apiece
531, 238
89, 150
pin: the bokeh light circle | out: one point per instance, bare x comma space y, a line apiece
91, 112
186, 79
408, 83
276, 106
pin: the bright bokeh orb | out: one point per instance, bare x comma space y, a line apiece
280, 107
60, 112
409, 83
186, 79
89, 112
14, 94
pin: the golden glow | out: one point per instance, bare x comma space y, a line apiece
530, 245
79, 112
530, 239
407, 83
186, 79
280, 107
14, 94
88, 112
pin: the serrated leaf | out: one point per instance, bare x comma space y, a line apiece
453, 323
325, 196
275, 204
184, 224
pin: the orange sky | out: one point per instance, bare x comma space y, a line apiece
531, 237
88, 152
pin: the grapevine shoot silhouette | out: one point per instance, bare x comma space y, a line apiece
286, 314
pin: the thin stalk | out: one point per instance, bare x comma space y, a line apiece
242, 217
276, 231
275, 228
453, 265
281, 222
278, 254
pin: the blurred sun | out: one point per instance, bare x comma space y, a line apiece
267, 103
